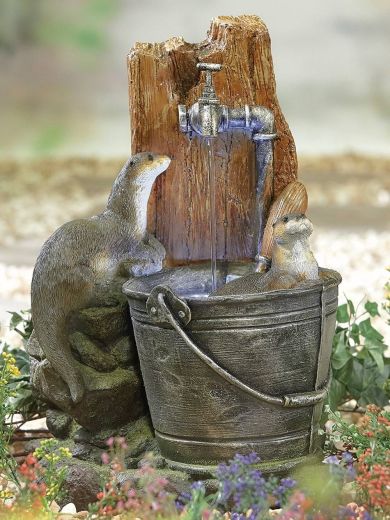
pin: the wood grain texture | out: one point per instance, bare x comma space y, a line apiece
163, 75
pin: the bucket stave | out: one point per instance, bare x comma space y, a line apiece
226, 375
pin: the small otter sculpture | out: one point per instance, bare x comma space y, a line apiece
82, 257
293, 263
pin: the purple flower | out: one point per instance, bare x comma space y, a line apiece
197, 485
288, 483
346, 512
351, 472
179, 506
332, 459
347, 457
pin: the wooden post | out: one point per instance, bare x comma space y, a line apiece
163, 75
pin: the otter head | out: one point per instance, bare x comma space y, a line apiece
291, 227
145, 167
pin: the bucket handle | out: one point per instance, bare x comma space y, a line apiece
158, 309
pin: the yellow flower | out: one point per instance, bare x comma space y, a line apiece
14, 371
6, 494
65, 452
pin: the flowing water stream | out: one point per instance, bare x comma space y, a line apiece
209, 145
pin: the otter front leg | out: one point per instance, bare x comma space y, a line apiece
146, 259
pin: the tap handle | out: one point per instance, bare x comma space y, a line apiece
212, 67
209, 68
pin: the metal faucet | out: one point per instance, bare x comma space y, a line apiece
207, 118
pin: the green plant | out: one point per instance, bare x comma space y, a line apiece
369, 441
360, 369
146, 498
8, 370
23, 399
51, 455
39, 482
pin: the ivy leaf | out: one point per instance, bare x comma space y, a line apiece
342, 315
372, 308
336, 394
16, 318
373, 394
354, 333
377, 356
351, 307
344, 374
355, 384
341, 354
368, 331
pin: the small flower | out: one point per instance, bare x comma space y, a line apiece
105, 458
110, 442
347, 457
332, 459
373, 408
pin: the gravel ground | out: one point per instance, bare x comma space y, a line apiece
349, 204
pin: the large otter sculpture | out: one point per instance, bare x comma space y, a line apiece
80, 260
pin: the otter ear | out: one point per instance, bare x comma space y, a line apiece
132, 162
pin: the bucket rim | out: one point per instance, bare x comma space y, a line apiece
332, 279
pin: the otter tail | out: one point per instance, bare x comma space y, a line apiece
51, 304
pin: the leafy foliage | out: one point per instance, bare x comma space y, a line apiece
369, 440
8, 370
360, 369
23, 399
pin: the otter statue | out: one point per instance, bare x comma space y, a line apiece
293, 262
78, 266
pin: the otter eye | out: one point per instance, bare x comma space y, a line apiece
150, 157
285, 219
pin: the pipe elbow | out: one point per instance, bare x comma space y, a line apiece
261, 119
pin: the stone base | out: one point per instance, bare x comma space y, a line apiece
103, 345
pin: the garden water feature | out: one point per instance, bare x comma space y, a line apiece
233, 374
221, 374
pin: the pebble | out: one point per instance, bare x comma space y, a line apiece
69, 509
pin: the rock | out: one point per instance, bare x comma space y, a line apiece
103, 323
140, 437
124, 351
59, 423
81, 451
91, 354
111, 400
69, 509
83, 482
87, 452
54, 507
104, 349
179, 482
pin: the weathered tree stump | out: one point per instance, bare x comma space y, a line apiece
163, 75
